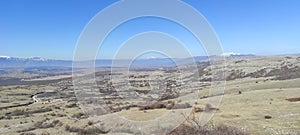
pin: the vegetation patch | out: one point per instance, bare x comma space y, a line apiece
168, 105
90, 130
157, 105
44, 124
268, 117
293, 99
19, 112
207, 130
79, 116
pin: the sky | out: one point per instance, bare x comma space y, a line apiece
51, 28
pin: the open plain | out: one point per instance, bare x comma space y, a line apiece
261, 96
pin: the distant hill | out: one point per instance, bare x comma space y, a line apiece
12, 62
232, 54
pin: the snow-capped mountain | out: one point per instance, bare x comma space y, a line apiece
14, 58
38, 59
4, 57
233, 54
13, 62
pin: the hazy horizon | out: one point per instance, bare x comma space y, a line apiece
237, 54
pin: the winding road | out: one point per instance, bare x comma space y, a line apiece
35, 99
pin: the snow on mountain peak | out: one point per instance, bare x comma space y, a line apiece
38, 59
230, 54
23, 59
5, 57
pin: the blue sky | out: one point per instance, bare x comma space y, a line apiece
50, 28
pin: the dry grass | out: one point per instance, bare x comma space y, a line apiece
268, 104
194, 127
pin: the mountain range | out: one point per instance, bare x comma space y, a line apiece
13, 62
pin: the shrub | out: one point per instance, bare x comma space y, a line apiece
18, 112
157, 105
56, 122
196, 110
182, 106
44, 124
71, 105
67, 127
293, 99
57, 107
79, 115
29, 133
268, 117
194, 127
85, 131
170, 105
8, 117
90, 123
75, 129
207, 130
61, 115
45, 133
91, 130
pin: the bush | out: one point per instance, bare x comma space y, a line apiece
207, 130
157, 105
169, 105
85, 131
44, 124
182, 106
71, 105
79, 116
67, 128
29, 133
293, 99
18, 112
268, 117
194, 127
45, 133
56, 122
90, 123
196, 110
